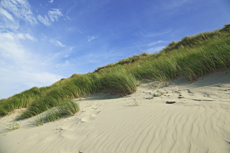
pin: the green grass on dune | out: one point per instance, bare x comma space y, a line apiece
189, 62
21, 100
68, 108
192, 57
115, 79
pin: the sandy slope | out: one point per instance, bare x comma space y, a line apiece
198, 122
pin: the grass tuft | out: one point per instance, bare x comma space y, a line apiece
12, 126
68, 108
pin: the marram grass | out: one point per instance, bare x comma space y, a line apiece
192, 57
114, 79
69, 108
190, 62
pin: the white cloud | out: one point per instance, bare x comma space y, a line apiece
51, 1
22, 69
154, 43
57, 43
55, 14
10, 48
28, 36
90, 38
20, 36
39, 78
17, 80
20, 8
44, 20
7, 21
25, 36
6, 14
147, 34
66, 63
70, 29
155, 49
60, 44
67, 17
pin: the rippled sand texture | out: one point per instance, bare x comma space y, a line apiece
198, 121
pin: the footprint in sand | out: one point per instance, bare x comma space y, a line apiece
59, 130
189, 92
180, 95
89, 114
206, 94
88, 118
184, 92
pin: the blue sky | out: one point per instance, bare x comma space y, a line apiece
43, 41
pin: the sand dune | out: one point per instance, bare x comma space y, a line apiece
198, 122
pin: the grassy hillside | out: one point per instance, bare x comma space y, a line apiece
192, 57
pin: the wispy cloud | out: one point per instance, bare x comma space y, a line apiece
7, 21
154, 43
25, 36
90, 38
54, 14
44, 20
155, 49
20, 8
71, 8
147, 34
30, 37
39, 78
51, 1
9, 48
66, 63
6, 14
17, 80
60, 44
57, 43
22, 69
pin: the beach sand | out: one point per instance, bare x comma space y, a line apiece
174, 117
